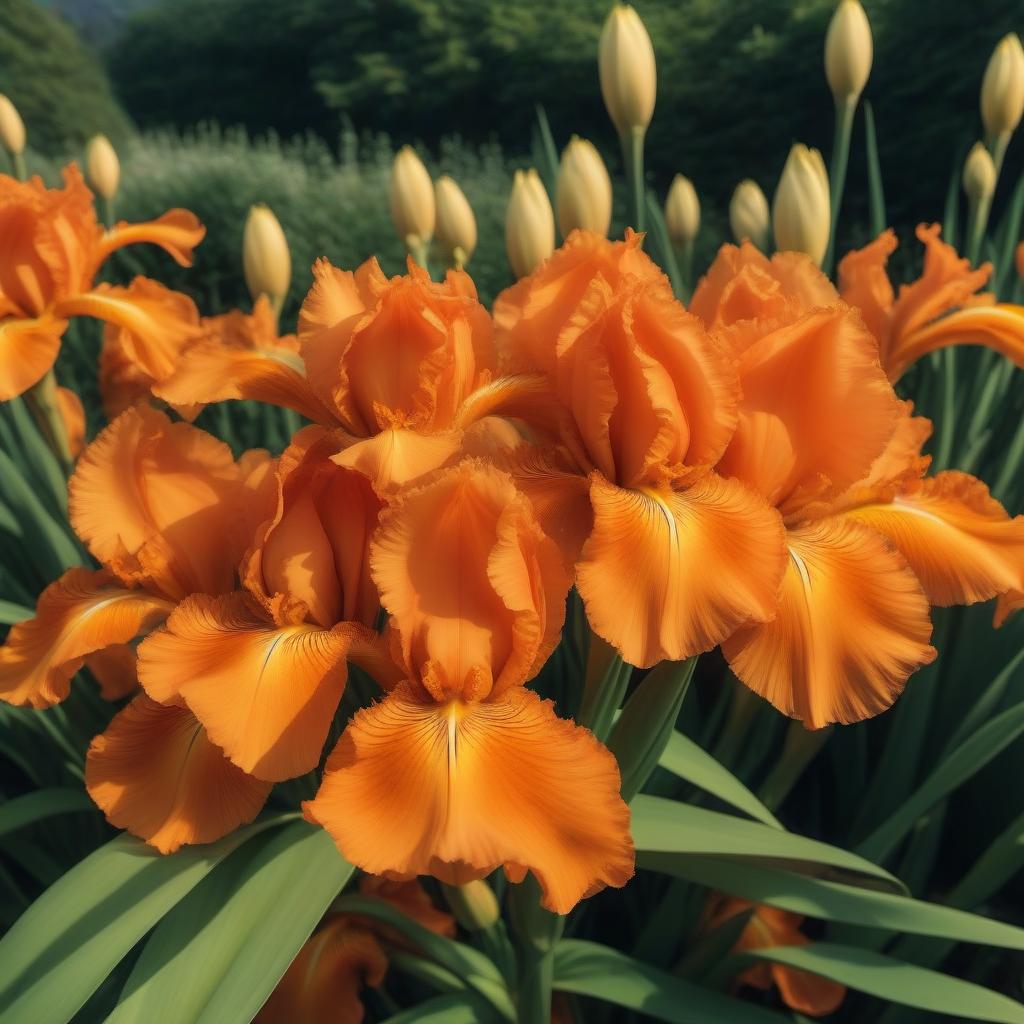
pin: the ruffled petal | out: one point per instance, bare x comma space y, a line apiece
396, 457
159, 503
864, 284
460, 789
72, 416
265, 694
817, 410
666, 574
115, 670
155, 773
475, 589
177, 232
28, 349
324, 982
957, 538
852, 625
77, 615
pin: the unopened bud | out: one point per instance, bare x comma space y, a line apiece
748, 214
629, 78
265, 256
12, 128
801, 215
1002, 88
456, 225
529, 224
682, 212
979, 177
848, 52
412, 198
584, 194
102, 168
474, 905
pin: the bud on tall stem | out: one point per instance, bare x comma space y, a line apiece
800, 210
529, 224
682, 221
629, 85
979, 182
12, 135
103, 172
584, 193
265, 257
748, 215
1002, 95
456, 225
412, 203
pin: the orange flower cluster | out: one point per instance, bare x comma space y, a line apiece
740, 474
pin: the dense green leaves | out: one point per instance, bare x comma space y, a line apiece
60, 950
44, 803
216, 957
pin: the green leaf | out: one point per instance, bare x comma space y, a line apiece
666, 254
62, 947
590, 969
876, 194
897, 982
834, 901
953, 770
216, 957
668, 827
25, 810
473, 967
456, 1008
688, 760
11, 613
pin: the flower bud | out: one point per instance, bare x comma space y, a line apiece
848, 51
12, 128
456, 225
801, 216
265, 256
979, 177
682, 212
474, 905
529, 224
1002, 88
748, 214
584, 194
412, 198
629, 79
102, 168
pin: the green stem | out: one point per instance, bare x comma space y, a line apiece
845, 109
997, 149
947, 424
42, 400
686, 271
107, 210
603, 697
20, 170
633, 152
535, 981
801, 747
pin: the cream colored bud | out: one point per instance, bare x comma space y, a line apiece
529, 224
748, 214
629, 78
1002, 88
102, 168
12, 128
474, 905
682, 212
456, 225
412, 197
848, 51
584, 193
801, 215
265, 256
979, 177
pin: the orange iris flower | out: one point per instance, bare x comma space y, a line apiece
671, 557
871, 543
346, 953
939, 309
461, 766
768, 926
52, 249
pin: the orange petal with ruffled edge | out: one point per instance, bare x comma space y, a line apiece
475, 589
115, 671
156, 324
155, 773
817, 410
1008, 603
852, 625
80, 613
396, 457
177, 232
72, 416
324, 982
666, 574
159, 503
461, 789
999, 327
265, 694
957, 538
28, 349
864, 284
